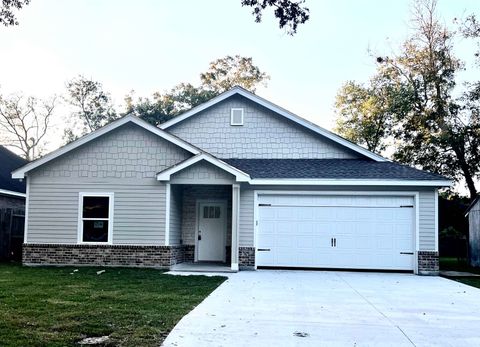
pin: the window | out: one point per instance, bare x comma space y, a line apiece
211, 211
236, 116
95, 217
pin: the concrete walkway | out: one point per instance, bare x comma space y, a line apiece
310, 308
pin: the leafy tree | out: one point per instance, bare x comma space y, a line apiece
7, 9
432, 128
364, 114
225, 73
92, 106
222, 75
24, 122
289, 13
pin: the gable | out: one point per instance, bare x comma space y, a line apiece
128, 151
202, 172
264, 134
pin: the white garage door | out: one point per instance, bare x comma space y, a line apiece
330, 231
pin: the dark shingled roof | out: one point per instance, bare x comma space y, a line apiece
330, 169
9, 162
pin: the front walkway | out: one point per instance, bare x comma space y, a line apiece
310, 308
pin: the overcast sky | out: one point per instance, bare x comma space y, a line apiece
150, 46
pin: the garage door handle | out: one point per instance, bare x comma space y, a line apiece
410, 253
263, 249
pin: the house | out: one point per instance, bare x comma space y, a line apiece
12, 191
237, 179
473, 214
12, 206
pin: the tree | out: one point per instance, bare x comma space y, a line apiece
92, 106
223, 74
7, 9
433, 129
364, 114
24, 122
289, 13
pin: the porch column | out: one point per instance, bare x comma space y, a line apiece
235, 224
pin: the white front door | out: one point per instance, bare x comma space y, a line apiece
211, 231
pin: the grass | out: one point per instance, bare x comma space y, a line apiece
454, 264
46, 306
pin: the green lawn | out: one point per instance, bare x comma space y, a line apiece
454, 264
46, 306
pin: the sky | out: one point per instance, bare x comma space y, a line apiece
149, 45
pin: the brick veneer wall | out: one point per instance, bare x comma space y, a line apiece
428, 263
246, 257
103, 255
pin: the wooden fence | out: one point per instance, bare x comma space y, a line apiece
12, 222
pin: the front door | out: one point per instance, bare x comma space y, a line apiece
211, 231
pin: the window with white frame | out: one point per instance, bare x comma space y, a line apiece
236, 116
95, 217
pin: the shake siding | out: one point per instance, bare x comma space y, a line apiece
264, 134
175, 215
426, 209
202, 173
123, 162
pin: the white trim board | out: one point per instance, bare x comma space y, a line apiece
350, 182
279, 110
240, 176
21, 172
12, 193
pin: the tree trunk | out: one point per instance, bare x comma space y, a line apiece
466, 172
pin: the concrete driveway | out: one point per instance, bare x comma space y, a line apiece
312, 308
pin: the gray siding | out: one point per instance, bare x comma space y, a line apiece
246, 235
427, 220
175, 215
263, 135
474, 234
202, 173
8, 201
426, 210
123, 162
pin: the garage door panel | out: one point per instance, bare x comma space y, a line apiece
370, 231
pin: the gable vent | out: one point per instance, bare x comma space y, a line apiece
236, 116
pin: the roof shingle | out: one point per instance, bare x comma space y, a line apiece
9, 162
330, 169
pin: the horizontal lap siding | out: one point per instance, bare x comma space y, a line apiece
427, 221
246, 238
175, 215
123, 162
138, 218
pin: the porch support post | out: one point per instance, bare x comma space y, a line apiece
167, 213
235, 224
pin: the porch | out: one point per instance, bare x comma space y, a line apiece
202, 226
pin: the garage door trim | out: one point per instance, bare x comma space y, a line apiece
415, 195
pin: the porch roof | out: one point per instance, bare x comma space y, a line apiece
240, 176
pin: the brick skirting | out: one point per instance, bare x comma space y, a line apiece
428, 263
102, 255
246, 257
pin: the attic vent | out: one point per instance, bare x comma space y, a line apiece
236, 116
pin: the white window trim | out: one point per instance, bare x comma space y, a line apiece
110, 196
231, 116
